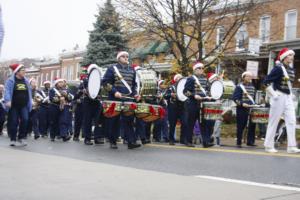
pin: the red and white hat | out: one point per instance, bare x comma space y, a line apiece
122, 53
177, 76
45, 82
160, 82
246, 73
92, 66
197, 65
15, 67
212, 77
57, 80
135, 67
284, 53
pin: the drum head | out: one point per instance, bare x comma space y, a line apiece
94, 83
179, 89
216, 89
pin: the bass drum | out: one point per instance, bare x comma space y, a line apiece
216, 89
179, 89
94, 82
146, 83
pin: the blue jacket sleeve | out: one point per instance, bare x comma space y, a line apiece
189, 88
109, 80
9, 85
274, 75
237, 96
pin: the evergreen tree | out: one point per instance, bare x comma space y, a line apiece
106, 39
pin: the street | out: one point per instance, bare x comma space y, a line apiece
75, 171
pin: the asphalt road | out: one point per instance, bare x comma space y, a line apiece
248, 164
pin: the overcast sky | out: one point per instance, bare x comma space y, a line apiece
36, 28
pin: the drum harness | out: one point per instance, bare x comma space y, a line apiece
122, 80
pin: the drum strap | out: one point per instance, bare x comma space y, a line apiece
245, 92
198, 83
57, 92
122, 79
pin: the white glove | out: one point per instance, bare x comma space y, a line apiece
272, 92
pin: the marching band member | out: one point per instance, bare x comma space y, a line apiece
58, 111
279, 87
243, 96
120, 81
175, 111
43, 113
33, 115
92, 114
78, 101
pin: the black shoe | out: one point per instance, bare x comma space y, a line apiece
88, 142
145, 141
239, 146
52, 139
36, 137
113, 146
66, 138
76, 139
133, 146
189, 145
99, 141
171, 143
206, 145
251, 145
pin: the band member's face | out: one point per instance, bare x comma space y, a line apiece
289, 59
199, 71
21, 73
248, 78
124, 60
33, 84
47, 85
60, 84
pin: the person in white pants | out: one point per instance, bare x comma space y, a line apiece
279, 88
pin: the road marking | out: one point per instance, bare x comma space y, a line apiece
261, 153
272, 186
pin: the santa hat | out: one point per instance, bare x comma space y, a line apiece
197, 65
284, 53
212, 77
122, 53
92, 66
246, 73
160, 82
177, 76
136, 67
15, 67
57, 80
45, 82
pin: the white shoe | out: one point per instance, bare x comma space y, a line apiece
21, 143
293, 150
271, 150
12, 143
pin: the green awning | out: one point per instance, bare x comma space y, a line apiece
150, 48
162, 48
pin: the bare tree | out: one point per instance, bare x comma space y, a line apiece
188, 25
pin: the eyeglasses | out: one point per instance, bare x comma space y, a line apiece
124, 56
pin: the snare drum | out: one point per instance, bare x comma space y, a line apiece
154, 113
142, 110
260, 115
179, 89
146, 82
221, 89
212, 110
111, 108
128, 108
94, 82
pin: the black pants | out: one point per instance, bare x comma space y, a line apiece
242, 117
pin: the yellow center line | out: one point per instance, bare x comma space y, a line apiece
226, 151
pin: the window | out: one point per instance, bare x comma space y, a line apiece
47, 78
241, 37
71, 72
264, 32
220, 35
186, 40
58, 73
290, 31
77, 71
52, 75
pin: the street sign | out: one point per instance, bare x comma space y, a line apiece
252, 66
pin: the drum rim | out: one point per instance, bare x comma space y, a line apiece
179, 97
89, 93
